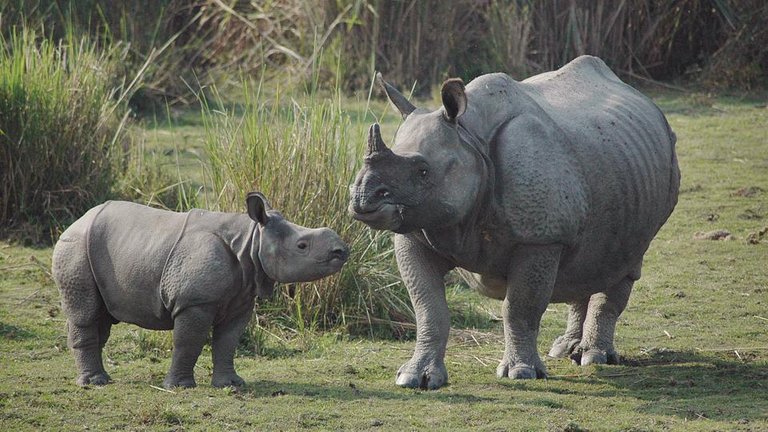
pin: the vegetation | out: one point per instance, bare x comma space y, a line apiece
412, 41
303, 154
62, 131
693, 339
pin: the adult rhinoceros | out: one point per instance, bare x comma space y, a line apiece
547, 190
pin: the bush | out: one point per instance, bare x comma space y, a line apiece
62, 131
298, 153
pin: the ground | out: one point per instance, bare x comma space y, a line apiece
693, 340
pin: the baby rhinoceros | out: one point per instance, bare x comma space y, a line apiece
189, 272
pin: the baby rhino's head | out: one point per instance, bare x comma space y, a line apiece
293, 253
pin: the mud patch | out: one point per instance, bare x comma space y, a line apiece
748, 192
751, 214
758, 236
713, 235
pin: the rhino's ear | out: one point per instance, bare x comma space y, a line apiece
454, 98
398, 100
257, 207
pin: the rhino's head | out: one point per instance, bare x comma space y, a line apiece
293, 253
429, 178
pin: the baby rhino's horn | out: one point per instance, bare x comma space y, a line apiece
375, 143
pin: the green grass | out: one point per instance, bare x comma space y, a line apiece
694, 337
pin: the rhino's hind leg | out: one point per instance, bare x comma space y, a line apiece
566, 344
87, 343
596, 345
88, 322
190, 331
226, 336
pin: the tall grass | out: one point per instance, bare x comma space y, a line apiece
302, 153
62, 131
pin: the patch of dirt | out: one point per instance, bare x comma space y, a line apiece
692, 188
751, 214
758, 236
748, 192
714, 235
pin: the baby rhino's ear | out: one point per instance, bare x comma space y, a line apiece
257, 207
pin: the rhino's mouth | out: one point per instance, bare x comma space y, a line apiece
385, 217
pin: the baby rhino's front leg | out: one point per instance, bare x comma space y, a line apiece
190, 331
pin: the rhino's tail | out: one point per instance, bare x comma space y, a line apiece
674, 173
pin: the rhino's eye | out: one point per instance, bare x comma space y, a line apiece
302, 245
423, 172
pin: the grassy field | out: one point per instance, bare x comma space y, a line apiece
694, 338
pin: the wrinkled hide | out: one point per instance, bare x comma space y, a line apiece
184, 271
546, 190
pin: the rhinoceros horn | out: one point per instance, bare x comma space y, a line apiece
398, 100
375, 143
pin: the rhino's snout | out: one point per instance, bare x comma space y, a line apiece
340, 253
336, 250
367, 198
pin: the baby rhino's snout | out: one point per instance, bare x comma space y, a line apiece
338, 250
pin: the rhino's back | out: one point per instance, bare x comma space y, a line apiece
128, 246
623, 145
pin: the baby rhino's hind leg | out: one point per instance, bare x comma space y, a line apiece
88, 323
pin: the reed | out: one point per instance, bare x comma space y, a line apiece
62, 132
302, 152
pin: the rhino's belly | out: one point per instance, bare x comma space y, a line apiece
148, 315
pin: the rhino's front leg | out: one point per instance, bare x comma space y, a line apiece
422, 272
226, 336
190, 331
533, 270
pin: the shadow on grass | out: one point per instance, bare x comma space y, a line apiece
688, 384
269, 389
12, 332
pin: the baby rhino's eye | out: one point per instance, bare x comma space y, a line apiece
302, 245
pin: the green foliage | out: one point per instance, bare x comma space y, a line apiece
303, 154
62, 131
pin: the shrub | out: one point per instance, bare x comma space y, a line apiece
62, 130
303, 154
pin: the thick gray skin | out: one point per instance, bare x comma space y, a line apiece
189, 272
546, 190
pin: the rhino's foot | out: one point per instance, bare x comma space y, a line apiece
520, 371
93, 378
563, 347
427, 376
587, 357
173, 381
227, 380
